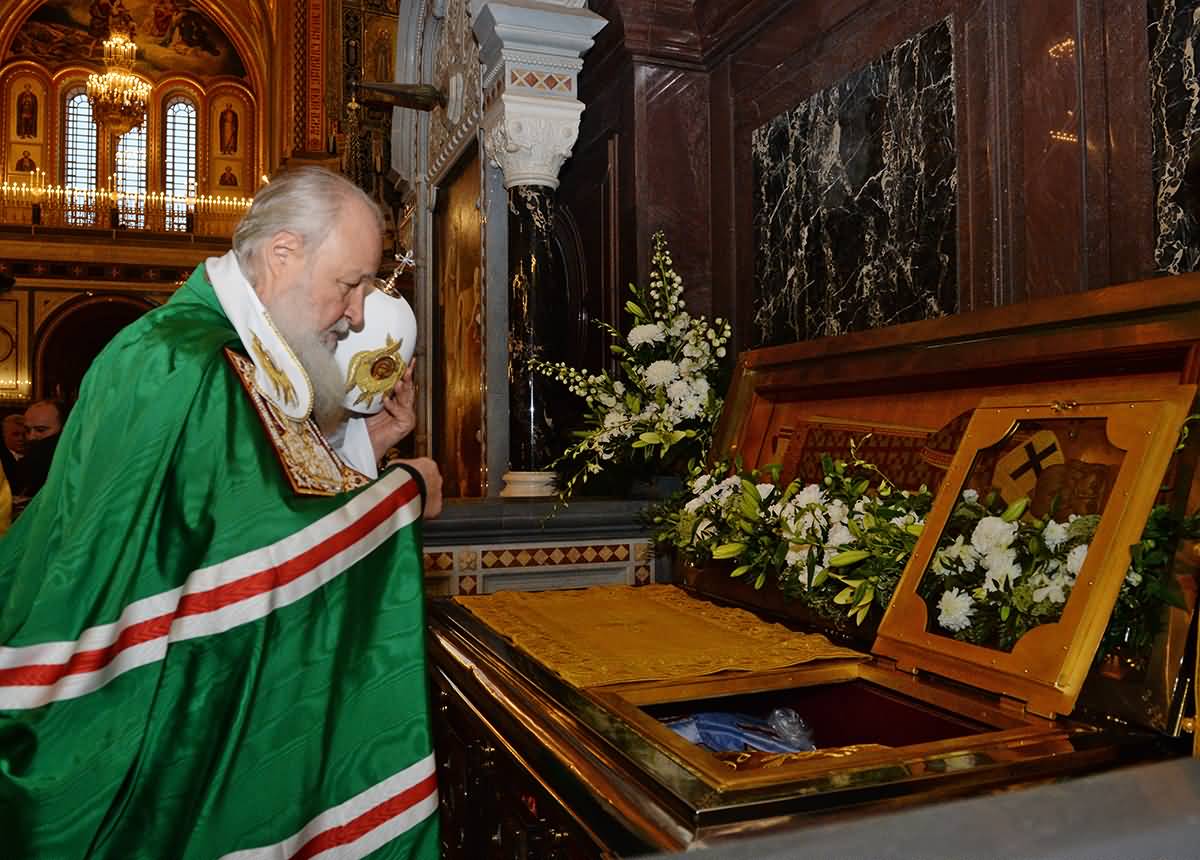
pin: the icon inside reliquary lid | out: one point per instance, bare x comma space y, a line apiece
1019, 532
1025, 550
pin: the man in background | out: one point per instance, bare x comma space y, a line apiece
211, 616
44, 421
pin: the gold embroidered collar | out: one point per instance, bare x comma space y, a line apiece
278, 374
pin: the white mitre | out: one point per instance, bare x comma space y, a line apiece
279, 376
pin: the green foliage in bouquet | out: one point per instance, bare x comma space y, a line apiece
1150, 583
658, 411
840, 547
997, 573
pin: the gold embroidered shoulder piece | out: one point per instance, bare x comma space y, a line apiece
312, 467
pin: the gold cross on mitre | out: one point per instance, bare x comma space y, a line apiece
404, 260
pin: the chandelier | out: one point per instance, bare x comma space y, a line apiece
118, 97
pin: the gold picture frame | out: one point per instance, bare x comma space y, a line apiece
1046, 668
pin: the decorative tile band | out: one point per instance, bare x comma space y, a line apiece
534, 79
438, 561
547, 556
484, 568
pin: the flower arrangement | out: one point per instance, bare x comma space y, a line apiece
997, 574
660, 408
839, 548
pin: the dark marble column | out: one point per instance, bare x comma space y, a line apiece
531, 324
1174, 27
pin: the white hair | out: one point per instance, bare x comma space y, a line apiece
303, 200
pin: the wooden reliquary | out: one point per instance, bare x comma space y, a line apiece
554, 729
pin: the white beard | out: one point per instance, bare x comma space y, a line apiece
315, 357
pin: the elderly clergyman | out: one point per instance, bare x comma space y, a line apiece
211, 615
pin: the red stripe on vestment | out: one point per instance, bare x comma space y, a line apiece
214, 599
292, 569
376, 816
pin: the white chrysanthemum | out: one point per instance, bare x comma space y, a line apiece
727, 488
993, 533
803, 522
615, 417
797, 557
648, 333
692, 407
679, 390
837, 511
839, 535
1053, 535
970, 496
661, 372
954, 609
1054, 589
1002, 569
957, 553
1075, 559
810, 495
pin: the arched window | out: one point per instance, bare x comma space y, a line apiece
131, 175
79, 156
180, 173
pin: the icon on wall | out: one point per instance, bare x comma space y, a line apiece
228, 127
228, 178
25, 164
27, 113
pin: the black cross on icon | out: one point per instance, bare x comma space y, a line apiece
1035, 460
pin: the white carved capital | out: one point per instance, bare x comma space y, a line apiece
529, 138
532, 52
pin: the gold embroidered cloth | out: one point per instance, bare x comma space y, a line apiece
619, 633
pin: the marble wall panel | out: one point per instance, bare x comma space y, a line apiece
855, 213
1174, 26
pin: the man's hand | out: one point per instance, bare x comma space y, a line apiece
397, 418
432, 475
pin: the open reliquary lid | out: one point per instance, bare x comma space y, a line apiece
1089, 470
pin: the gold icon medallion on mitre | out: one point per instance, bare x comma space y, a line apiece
375, 371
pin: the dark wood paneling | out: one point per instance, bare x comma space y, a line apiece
1050, 147
672, 173
458, 349
1129, 218
591, 200
1038, 216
